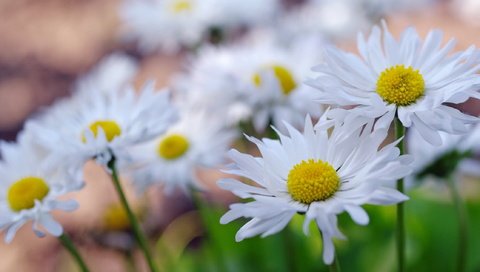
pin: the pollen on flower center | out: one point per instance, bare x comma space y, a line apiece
283, 75
23, 193
312, 180
180, 6
173, 146
109, 127
401, 86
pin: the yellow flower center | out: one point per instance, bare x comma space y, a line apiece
23, 193
401, 86
173, 146
312, 180
283, 75
115, 218
180, 6
109, 127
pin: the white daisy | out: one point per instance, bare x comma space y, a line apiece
168, 25
103, 124
262, 81
30, 189
317, 173
418, 81
197, 140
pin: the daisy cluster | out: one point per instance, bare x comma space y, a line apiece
317, 117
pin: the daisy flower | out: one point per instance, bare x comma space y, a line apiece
168, 25
103, 124
418, 81
30, 189
316, 173
261, 81
171, 25
197, 140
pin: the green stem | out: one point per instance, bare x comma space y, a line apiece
462, 225
68, 244
335, 266
204, 216
289, 244
400, 132
137, 231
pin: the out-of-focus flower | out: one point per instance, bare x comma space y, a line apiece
455, 154
114, 72
167, 25
331, 18
261, 81
249, 13
31, 188
198, 140
170, 25
318, 173
411, 79
103, 124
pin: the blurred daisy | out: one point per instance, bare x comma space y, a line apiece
317, 173
333, 18
414, 80
261, 81
30, 190
236, 13
115, 71
104, 124
168, 25
197, 141
455, 154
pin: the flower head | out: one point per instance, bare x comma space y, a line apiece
197, 140
30, 188
261, 81
100, 125
416, 80
318, 173
171, 25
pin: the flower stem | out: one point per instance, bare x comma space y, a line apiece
202, 208
462, 225
335, 266
400, 132
137, 231
68, 244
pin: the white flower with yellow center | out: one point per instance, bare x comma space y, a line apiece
30, 190
323, 172
412, 79
198, 140
104, 124
168, 25
262, 81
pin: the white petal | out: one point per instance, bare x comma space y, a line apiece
52, 226
358, 214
